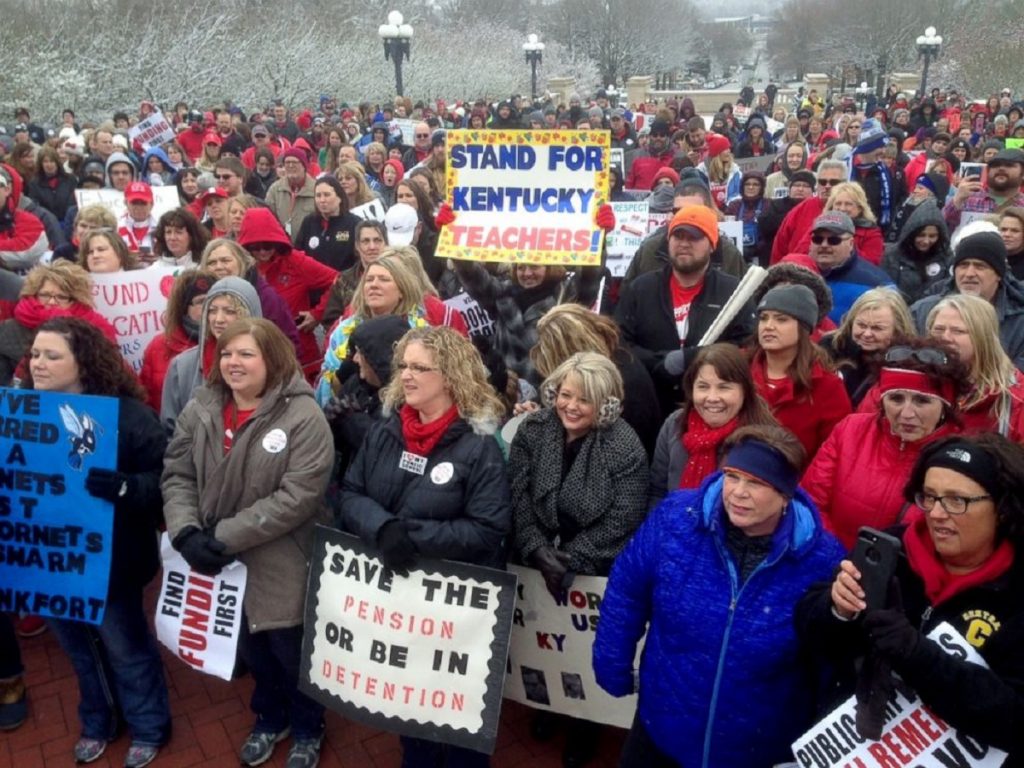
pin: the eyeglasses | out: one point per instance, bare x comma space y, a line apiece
830, 239
54, 298
925, 355
422, 135
829, 182
953, 505
415, 368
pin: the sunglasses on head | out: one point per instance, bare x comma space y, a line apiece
925, 355
830, 239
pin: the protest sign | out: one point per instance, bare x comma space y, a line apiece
760, 164
912, 732
480, 323
422, 655
55, 537
550, 652
618, 157
741, 114
134, 302
732, 230
200, 617
1015, 143
407, 127
372, 211
154, 131
164, 199
631, 227
526, 196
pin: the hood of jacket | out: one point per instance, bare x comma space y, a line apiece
926, 214
376, 338
158, 153
238, 287
119, 157
260, 225
17, 185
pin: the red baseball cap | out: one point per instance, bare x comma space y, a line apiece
138, 192
214, 192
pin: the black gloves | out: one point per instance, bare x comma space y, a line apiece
109, 484
397, 550
202, 551
346, 404
891, 634
554, 565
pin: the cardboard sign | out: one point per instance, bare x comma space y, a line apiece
550, 655
422, 655
407, 127
732, 230
631, 227
154, 131
371, 211
762, 163
618, 158
526, 196
164, 199
480, 323
200, 617
912, 732
134, 302
55, 537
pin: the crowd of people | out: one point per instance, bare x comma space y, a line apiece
714, 453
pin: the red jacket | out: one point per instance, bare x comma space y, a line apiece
249, 155
644, 167
294, 275
24, 231
810, 416
867, 240
157, 359
857, 476
191, 143
916, 168
795, 224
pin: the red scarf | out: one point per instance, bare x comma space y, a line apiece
421, 438
701, 443
939, 584
31, 313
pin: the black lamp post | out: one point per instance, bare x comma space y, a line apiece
928, 46
396, 36
534, 51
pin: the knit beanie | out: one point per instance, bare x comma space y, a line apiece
983, 246
296, 154
717, 144
797, 301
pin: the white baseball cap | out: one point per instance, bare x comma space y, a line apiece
400, 222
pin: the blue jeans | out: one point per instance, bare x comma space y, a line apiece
273, 659
119, 671
420, 753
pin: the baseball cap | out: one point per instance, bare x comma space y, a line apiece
834, 221
697, 220
260, 130
138, 192
1008, 156
214, 192
400, 222
618, 112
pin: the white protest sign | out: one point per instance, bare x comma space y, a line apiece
422, 655
631, 226
741, 113
164, 199
550, 653
657, 220
372, 211
732, 230
200, 617
762, 163
480, 323
134, 302
912, 732
408, 129
154, 131
618, 155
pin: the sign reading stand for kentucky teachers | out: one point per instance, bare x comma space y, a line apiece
55, 538
421, 655
526, 196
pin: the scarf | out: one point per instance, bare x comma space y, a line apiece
701, 443
939, 584
884, 191
31, 313
422, 438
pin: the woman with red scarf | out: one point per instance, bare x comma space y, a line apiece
430, 479
960, 537
58, 290
720, 398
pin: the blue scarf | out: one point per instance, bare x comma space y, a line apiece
885, 190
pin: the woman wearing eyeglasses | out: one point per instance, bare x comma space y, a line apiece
964, 526
57, 290
857, 477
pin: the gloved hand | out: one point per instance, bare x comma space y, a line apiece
397, 550
202, 551
445, 215
554, 566
345, 404
108, 484
605, 217
890, 633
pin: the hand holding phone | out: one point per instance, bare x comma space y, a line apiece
875, 556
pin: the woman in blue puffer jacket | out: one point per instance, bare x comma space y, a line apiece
714, 575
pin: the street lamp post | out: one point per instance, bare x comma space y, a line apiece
928, 46
396, 35
534, 50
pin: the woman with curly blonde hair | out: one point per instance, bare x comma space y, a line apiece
430, 479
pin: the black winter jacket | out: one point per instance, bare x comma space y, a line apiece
917, 274
329, 241
56, 199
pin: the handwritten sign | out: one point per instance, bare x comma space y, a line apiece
526, 196
631, 227
55, 537
480, 323
761, 164
422, 655
200, 617
549, 657
134, 302
371, 211
164, 199
406, 127
154, 131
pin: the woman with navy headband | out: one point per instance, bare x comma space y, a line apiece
714, 575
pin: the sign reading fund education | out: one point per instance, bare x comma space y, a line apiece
134, 302
526, 196
422, 655
55, 538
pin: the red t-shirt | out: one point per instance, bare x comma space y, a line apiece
233, 421
682, 298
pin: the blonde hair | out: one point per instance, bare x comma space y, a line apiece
66, 275
363, 192
718, 171
599, 380
465, 377
241, 255
991, 370
856, 191
97, 216
567, 329
877, 298
410, 257
407, 282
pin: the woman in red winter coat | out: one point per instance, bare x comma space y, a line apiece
293, 274
858, 475
849, 198
181, 331
791, 372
